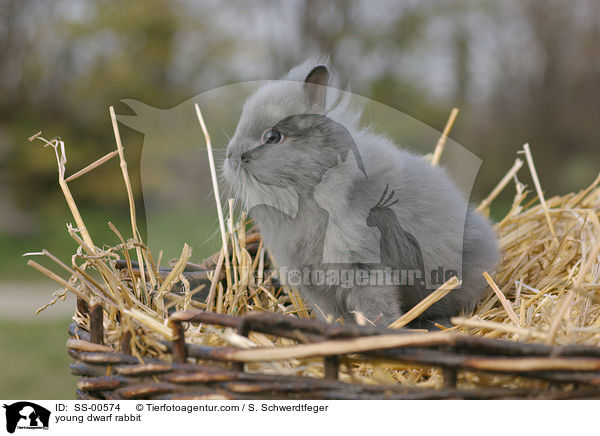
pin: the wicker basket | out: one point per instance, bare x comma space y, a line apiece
199, 372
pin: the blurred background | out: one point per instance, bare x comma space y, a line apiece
519, 71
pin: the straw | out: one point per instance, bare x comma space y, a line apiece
92, 166
439, 147
505, 303
424, 304
213, 173
130, 198
500, 186
546, 288
538, 187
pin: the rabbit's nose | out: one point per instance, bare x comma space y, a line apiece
229, 154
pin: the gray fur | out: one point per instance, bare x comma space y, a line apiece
339, 172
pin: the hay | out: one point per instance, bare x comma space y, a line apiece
546, 288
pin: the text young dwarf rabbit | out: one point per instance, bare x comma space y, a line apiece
352, 221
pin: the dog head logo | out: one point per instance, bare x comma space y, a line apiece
326, 166
26, 415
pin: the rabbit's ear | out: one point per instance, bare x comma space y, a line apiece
315, 86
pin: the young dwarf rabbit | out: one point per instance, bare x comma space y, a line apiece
334, 202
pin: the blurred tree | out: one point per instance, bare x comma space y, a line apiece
544, 89
519, 71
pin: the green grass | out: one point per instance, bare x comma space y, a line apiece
51, 234
35, 361
34, 357
198, 228
169, 230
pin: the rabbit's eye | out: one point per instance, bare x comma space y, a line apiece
272, 136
